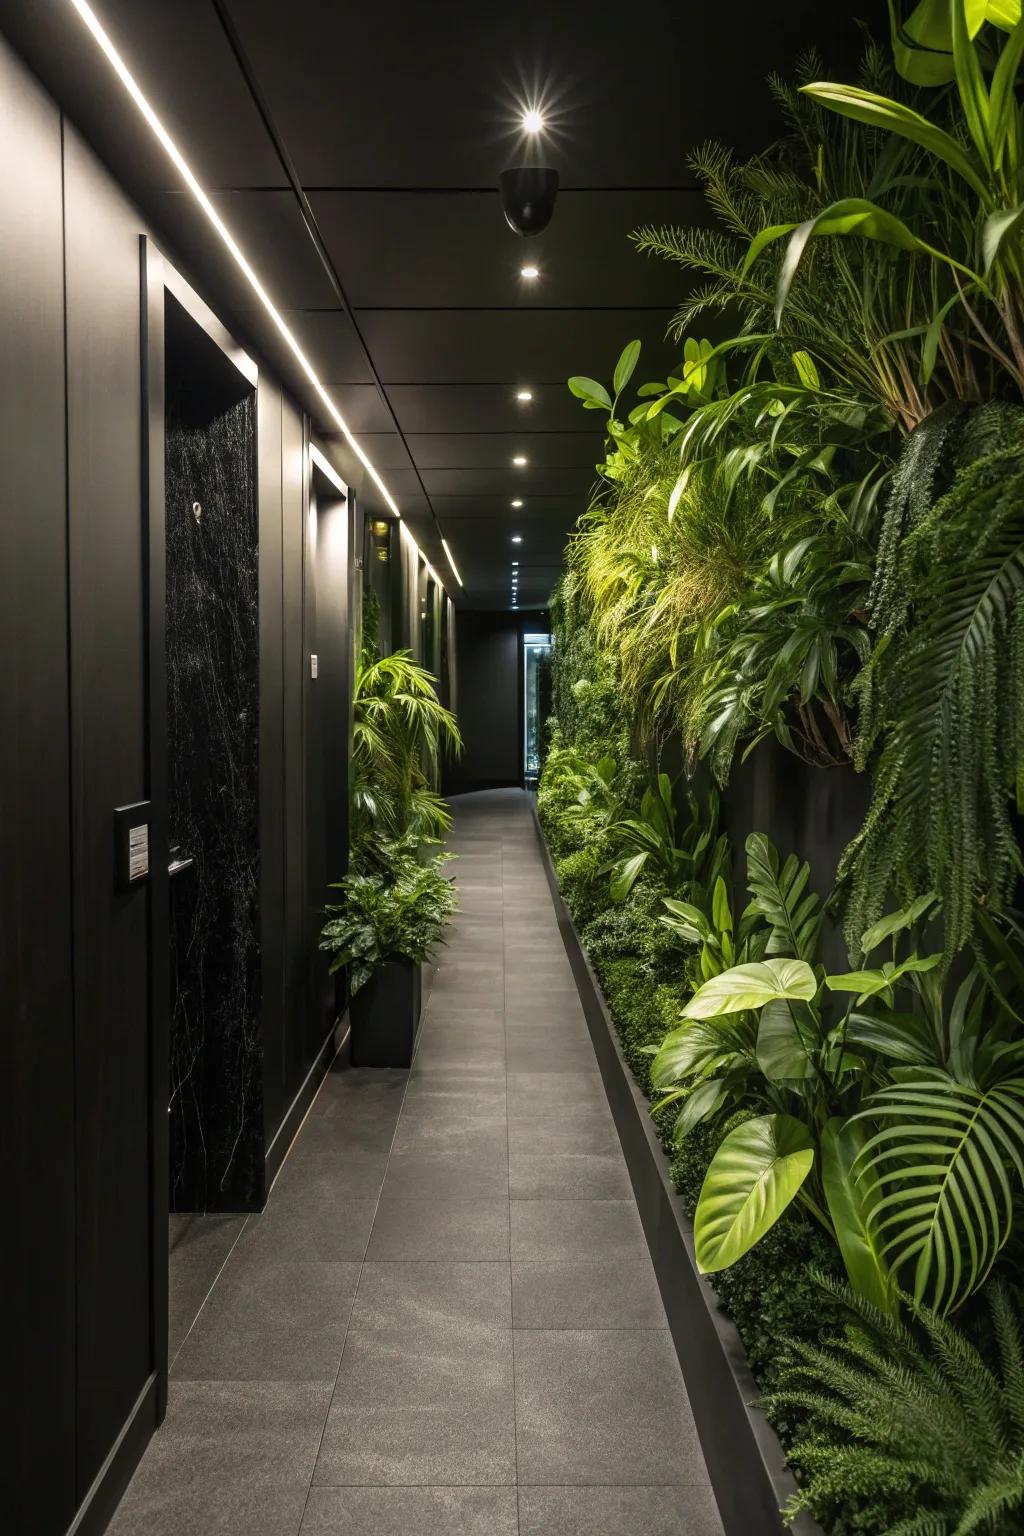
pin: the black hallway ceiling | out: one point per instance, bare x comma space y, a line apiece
354, 151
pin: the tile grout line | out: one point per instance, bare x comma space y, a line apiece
508, 1169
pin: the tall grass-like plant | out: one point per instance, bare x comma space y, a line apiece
960, 223
400, 729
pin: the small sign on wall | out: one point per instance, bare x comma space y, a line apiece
131, 844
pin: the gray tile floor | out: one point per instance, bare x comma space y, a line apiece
446, 1320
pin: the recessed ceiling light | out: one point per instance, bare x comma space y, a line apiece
517, 502
517, 538
533, 121
515, 563
524, 395
529, 273
520, 460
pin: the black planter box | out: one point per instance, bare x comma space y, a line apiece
745, 1461
385, 1015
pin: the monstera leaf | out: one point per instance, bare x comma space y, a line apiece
755, 1174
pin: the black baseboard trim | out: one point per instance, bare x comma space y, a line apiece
745, 1461
286, 1132
97, 1508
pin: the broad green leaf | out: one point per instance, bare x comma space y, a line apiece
751, 986
625, 366
781, 1052
893, 117
922, 46
687, 1050
702, 1102
851, 1199
625, 876
721, 907
755, 1174
589, 389
902, 1037
998, 227
807, 373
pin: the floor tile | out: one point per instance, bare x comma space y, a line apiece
688, 1511
310, 1222
421, 1406
401, 1511
576, 1230
199, 1246
222, 1433
586, 1294
441, 1229
603, 1407
415, 1293
178, 1506
271, 1322
578, 1175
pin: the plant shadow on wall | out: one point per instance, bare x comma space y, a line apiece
814, 532
395, 900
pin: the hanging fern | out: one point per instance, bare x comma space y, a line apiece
913, 1420
942, 700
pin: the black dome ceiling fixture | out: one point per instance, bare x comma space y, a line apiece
528, 195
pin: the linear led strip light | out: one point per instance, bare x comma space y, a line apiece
181, 165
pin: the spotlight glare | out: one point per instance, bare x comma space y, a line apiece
524, 395
517, 538
533, 121
517, 502
529, 273
519, 461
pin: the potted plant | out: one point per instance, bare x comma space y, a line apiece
385, 927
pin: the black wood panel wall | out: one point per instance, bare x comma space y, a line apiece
80, 1292
108, 764
37, 1293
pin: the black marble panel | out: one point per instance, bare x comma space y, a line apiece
216, 1104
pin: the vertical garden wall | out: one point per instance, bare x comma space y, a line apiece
784, 764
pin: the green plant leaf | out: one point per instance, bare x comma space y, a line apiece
807, 373
948, 1162
625, 876
851, 1200
625, 366
782, 1053
686, 1050
755, 1174
998, 227
778, 895
893, 117
896, 922
589, 390
922, 46
751, 986
705, 1099
854, 216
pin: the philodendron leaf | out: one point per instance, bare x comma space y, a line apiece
851, 1197
782, 1053
626, 875
751, 986
755, 1174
